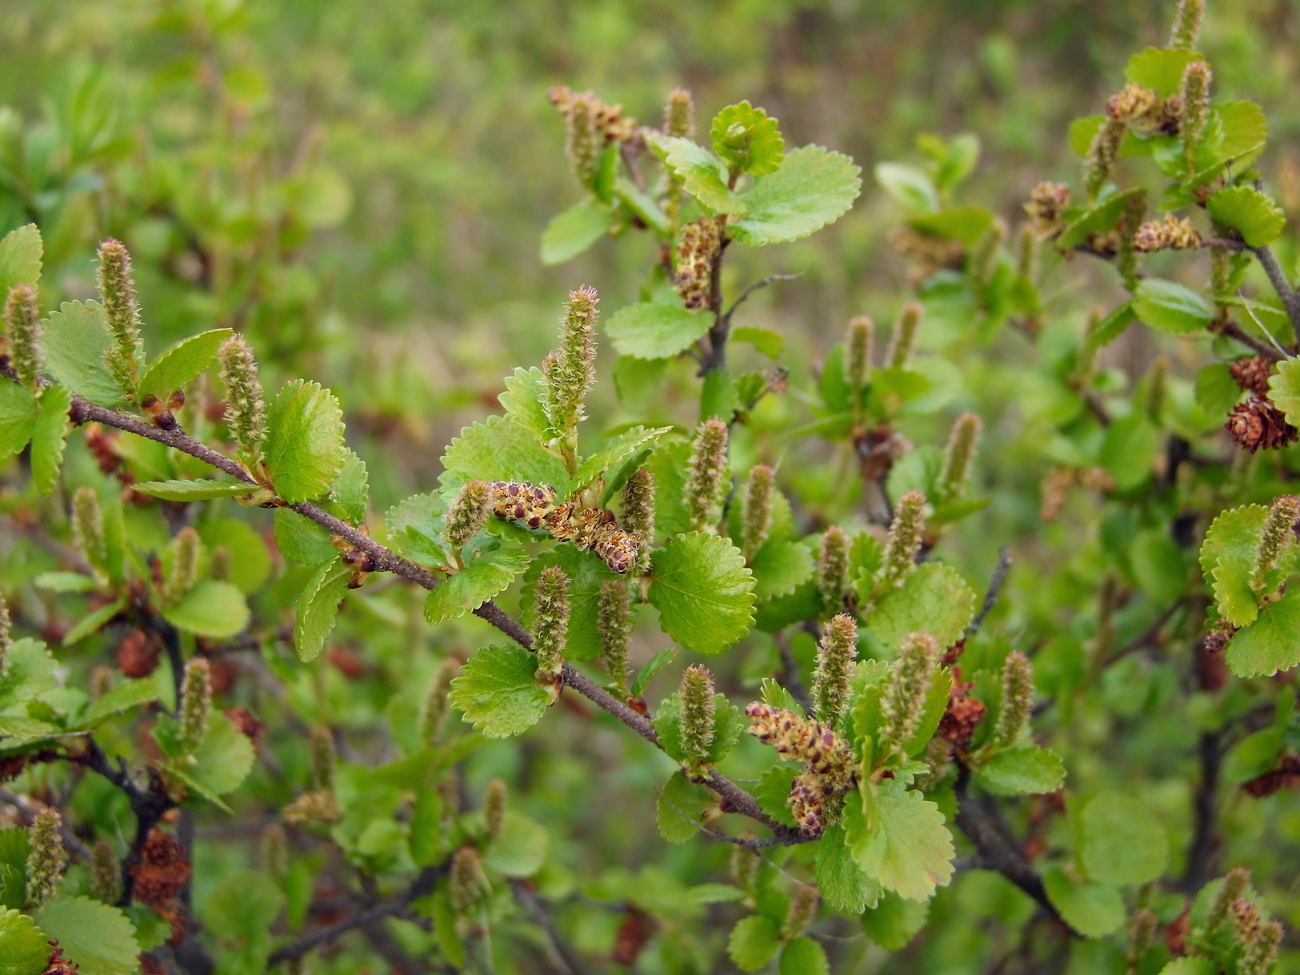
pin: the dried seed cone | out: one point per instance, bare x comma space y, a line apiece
1046, 208
1252, 373
1257, 424
1171, 233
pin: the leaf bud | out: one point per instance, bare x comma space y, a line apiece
1278, 531
184, 568
551, 621
117, 292
324, 758
708, 476
273, 851
468, 514
835, 664
905, 536
757, 508
47, 859
904, 698
21, 320
469, 884
954, 475
801, 912
1195, 94
614, 627
570, 370
903, 341
697, 714
1017, 700
639, 513
833, 567
245, 404
88, 526
196, 704
1099, 162
435, 702
105, 873
859, 340
679, 114
494, 808
1187, 25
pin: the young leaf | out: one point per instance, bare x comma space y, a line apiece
304, 441
1101, 219
525, 399
474, 585
1245, 132
586, 574
728, 724
213, 609
124, 697
1121, 842
224, 757
20, 258
933, 598
966, 224
498, 691
318, 608
1269, 644
1284, 389
845, 886
656, 330
814, 187
351, 488
648, 671
572, 231
754, 942
1228, 557
94, 936
747, 140
1160, 69
183, 363
1170, 307
619, 450
242, 907
1248, 211
804, 956
501, 449
703, 175
1025, 770
1093, 909
774, 789
92, 621
678, 809
24, 949
780, 568
908, 185
49, 437
703, 591
415, 529
73, 342
201, 489
770, 343
18, 412
520, 850
300, 540
909, 850
894, 922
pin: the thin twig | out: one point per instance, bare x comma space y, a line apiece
758, 286
790, 678
560, 955
995, 588
1203, 845
1277, 277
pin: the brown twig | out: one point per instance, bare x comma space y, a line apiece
994, 590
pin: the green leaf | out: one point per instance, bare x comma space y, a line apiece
1160, 69
1190, 965
318, 608
224, 757
656, 330
1284, 389
183, 363
201, 489
73, 342
845, 886
242, 907
415, 527
814, 187
124, 697
774, 789
1027, 770
1121, 842
304, 441
351, 488
573, 231
933, 598
728, 724
474, 585
638, 381
1228, 557
754, 942
525, 401
498, 691
1093, 909
586, 574
23, 946
92, 621
1170, 307
49, 437
500, 449
18, 412
1129, 449
894, 922
780, 568
520, 850
910, 850
20, 258
1245, 132
1101, 219
703, 591
1248, 211
679, 808
703, 175
747, 140
98, 938
804, 956
302, 540
966, 224
908, 185
1270, 644
213, 609
617, 453
770, 343
1109, 328
65, 582
649, 669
